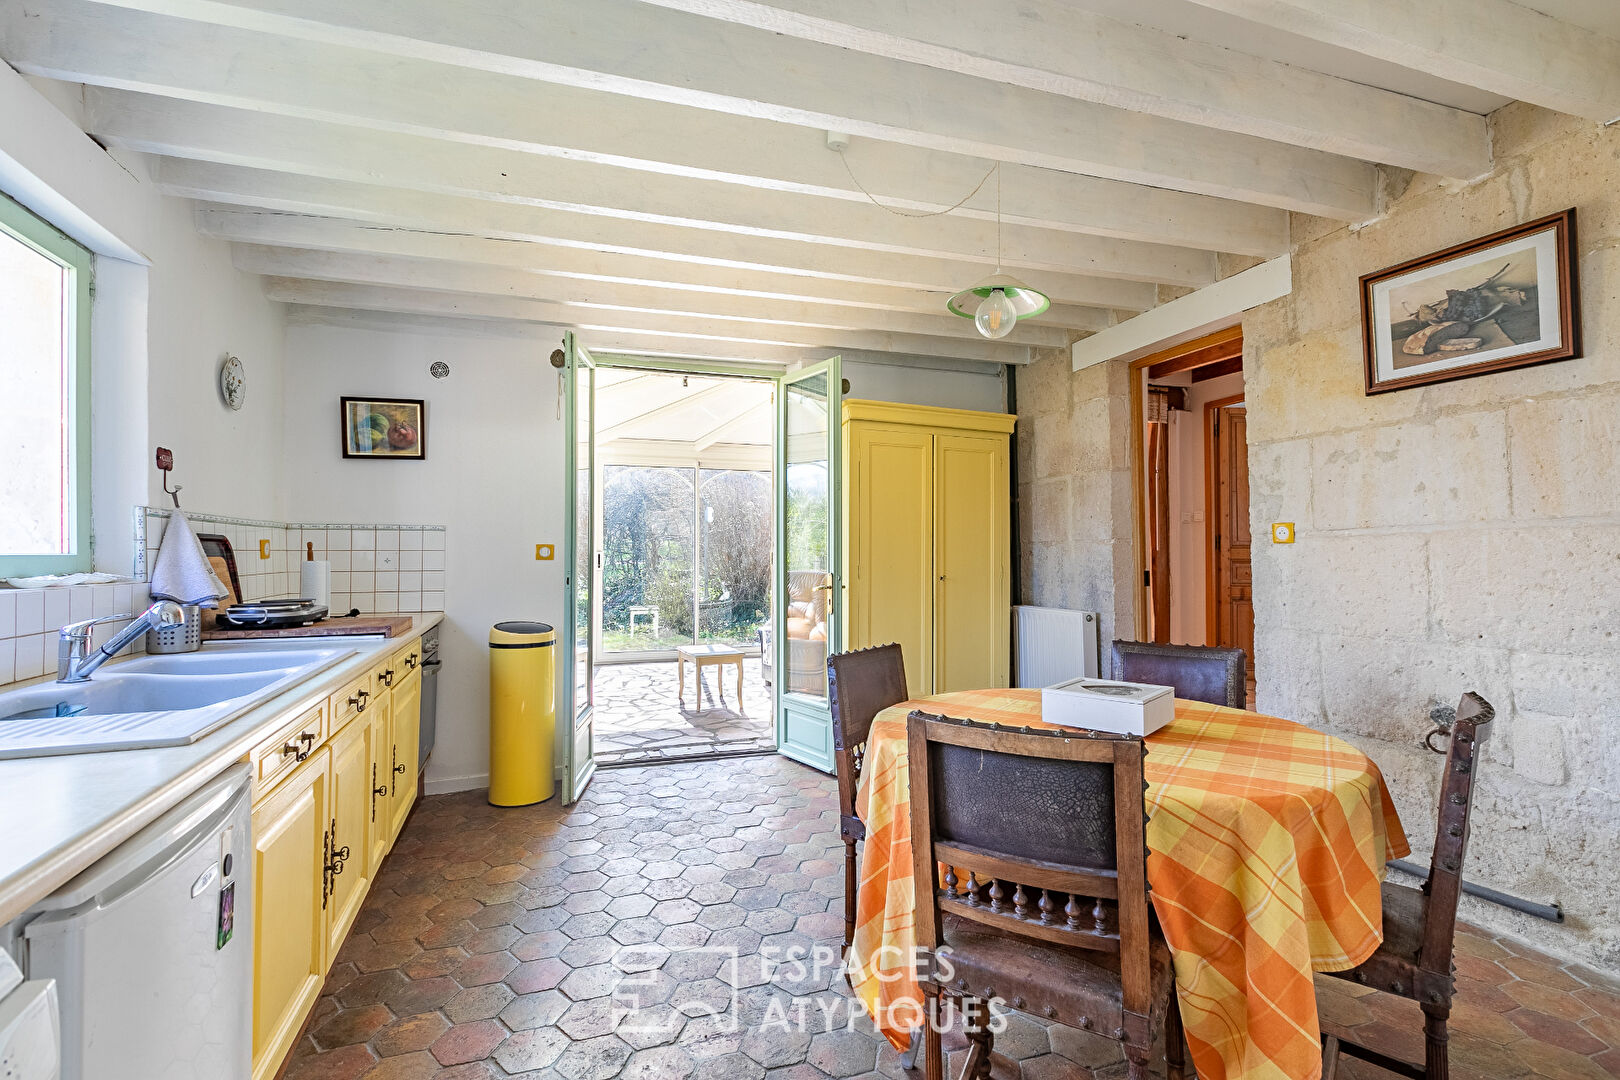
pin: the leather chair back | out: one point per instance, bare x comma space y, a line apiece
1198, 672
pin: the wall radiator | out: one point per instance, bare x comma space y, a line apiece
1053, 644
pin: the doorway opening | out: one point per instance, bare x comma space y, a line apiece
680, 630
1191, 468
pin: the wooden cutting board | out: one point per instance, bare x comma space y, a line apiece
386, 625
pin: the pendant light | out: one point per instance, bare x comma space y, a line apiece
997, 303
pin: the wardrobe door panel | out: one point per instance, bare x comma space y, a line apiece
971, 559
890, 552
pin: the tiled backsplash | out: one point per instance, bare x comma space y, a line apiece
374, 568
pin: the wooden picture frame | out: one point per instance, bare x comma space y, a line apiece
1507, 300
373, 427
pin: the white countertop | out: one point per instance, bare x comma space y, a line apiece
60, 814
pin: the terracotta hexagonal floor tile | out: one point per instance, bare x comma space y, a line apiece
409, 1034
468, 1042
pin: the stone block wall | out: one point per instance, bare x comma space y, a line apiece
1461, 536
1074, 490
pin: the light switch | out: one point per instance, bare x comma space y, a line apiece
545, 552
1282, 532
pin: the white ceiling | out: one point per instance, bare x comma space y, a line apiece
654, 173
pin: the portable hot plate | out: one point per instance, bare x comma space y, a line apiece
271, 614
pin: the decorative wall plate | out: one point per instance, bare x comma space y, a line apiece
233, 382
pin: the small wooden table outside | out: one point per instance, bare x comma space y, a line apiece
702, 656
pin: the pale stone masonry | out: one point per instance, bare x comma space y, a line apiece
1460, 536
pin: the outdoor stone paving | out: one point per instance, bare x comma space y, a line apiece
640, 716
617, 938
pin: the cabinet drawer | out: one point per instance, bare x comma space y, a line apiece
407, 660
276, 756
386, 675
353, 700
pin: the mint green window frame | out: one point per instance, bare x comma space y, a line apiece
17, 222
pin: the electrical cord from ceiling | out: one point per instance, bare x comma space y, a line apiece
916, 213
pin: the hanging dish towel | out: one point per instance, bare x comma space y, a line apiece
182, 573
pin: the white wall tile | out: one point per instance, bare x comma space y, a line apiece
58, 611
410, 601
337, 539
362, 581
8, 613
387, 560
432, 601
339, 559
80, 602
101, 601
387, 581
410, 581
433, 560
30, 611
362, 600
8, 660
433, 579
410, 560
432, 539
362, 538
387, 540
30, 656
410, 539
363, 559
385, 601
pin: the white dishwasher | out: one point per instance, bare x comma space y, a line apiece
151, 948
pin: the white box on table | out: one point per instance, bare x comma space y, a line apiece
1121, 708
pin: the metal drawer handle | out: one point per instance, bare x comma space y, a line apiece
387, 677
359, 700
295, 748
410, 661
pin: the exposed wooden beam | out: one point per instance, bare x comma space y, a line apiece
662, 331
1229, 366
1210, 349
705, 64
591, 299
312, 148
445, 213
359, 88
1058, 47
331, 234
1505, 47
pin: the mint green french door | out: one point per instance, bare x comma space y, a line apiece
808, 576
575, 714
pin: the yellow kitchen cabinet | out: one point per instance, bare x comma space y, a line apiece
405, 711
290, 828
349, 847
380, 815
927, 540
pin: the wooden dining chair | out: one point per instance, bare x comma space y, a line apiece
1198, 672
1420, 925
1044, 898
860, 685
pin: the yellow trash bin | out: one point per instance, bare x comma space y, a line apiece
522, 712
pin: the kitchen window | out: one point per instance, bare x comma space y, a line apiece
44, 398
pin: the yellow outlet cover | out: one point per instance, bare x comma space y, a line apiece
1282, 532
544, 552
264, 549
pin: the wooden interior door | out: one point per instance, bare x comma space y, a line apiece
1232, 583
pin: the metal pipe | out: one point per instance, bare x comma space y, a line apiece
1553, 912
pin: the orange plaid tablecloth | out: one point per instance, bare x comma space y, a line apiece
1267, 842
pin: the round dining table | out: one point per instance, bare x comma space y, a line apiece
1267, 842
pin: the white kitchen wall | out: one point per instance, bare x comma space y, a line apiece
493, 474
168, 308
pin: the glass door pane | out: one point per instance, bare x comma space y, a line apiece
807, 623
647, 558
574, 712
734, 527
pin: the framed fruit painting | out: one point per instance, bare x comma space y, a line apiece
384, 428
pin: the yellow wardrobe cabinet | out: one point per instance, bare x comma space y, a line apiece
927, 540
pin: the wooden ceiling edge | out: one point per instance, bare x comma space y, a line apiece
1220, 345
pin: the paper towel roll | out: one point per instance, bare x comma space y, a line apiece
315, 582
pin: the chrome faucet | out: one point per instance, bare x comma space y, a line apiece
75, 662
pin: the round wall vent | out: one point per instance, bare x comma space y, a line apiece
439, 370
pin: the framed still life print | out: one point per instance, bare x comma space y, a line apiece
1503, 301
383, 428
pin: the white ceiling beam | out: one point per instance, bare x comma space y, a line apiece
1055, 46
592, 299
332, 198
331, 234
183, 60
739, 70
718, 433
665, 332
242, 137
1501, 46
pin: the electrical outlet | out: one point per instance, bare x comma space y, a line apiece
545, 552
1282, 532
264, 549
